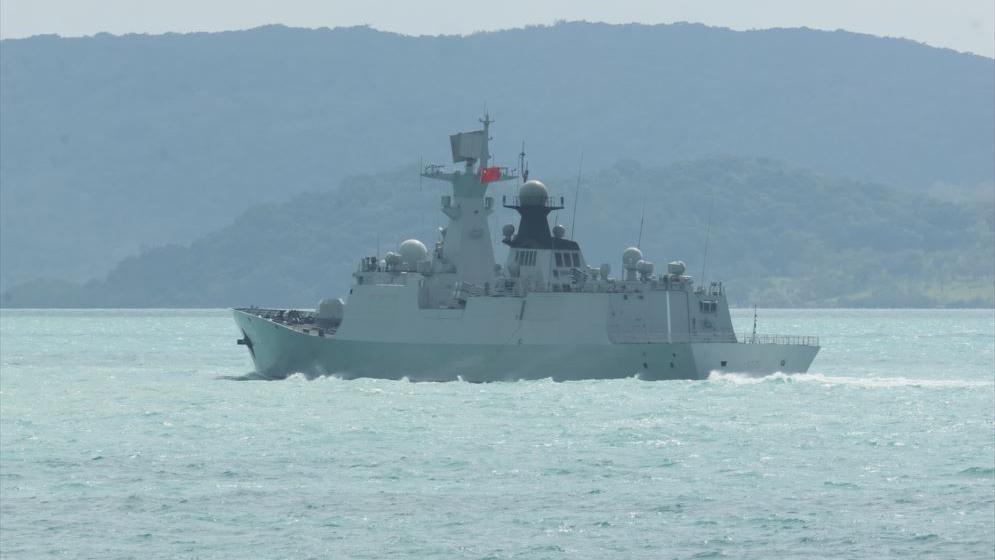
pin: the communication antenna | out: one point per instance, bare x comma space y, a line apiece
754, 339
708, 232
573, 221
421, 169
523, 170
642, 215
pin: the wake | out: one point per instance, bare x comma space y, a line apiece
840, 380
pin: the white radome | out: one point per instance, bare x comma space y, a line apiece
412, 252
533, 193
631, 256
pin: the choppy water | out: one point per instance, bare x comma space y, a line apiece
120, 437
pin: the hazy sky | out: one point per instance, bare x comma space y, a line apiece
964, 25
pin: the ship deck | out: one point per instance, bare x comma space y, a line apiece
304, 322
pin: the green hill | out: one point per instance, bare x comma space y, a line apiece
109, 144
779, 236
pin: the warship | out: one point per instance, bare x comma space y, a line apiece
454, 313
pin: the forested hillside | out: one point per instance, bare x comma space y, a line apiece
779, 236
110, 144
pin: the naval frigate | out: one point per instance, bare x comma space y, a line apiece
455, 313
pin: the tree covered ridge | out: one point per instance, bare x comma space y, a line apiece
779, 236
111, 143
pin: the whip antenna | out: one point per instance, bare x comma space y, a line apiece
573, 221
523, 171
708, 231
754, 339
642, 215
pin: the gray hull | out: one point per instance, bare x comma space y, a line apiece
278, 350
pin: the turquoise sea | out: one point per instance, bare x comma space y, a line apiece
127, 434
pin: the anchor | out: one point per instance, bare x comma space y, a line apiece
247, 342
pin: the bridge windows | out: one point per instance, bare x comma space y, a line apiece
526, 257
568, 259
708, 306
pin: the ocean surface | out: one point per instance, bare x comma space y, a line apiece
127, 434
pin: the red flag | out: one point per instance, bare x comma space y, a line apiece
490, 174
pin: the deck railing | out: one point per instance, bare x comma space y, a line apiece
516, 201
645, 337
796, 340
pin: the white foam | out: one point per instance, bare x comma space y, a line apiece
834, 380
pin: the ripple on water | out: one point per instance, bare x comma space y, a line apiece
143, 448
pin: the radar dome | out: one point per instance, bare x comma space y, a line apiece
533, 193
559, 231
631, 256
412, 252
392, 259
676, 268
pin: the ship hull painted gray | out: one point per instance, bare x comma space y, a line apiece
278, 350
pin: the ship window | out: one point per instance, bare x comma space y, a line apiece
576, 258
708, 306
559, 259
532, 258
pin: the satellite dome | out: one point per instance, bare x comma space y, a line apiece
676, 268
644, 267
412, 252
559, 231
631, 256
533, 193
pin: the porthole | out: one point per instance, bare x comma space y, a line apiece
782, 363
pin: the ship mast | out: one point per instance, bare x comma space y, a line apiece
466, 248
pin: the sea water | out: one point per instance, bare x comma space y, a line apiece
125, 434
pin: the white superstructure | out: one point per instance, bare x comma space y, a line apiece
453, 312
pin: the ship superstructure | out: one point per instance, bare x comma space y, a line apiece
453, 312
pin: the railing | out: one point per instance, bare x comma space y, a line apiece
516, 201
283, 316
794, 340
636, 336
